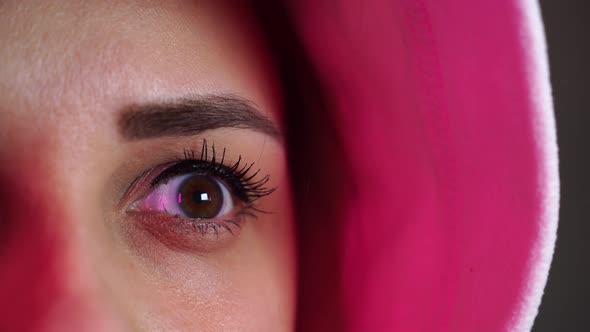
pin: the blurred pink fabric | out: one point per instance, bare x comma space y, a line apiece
445, 112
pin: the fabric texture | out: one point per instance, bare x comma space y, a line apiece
444, 110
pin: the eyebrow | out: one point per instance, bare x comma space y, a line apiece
192, 116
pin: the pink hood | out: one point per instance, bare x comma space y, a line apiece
444, 111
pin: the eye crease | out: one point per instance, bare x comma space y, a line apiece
203, 191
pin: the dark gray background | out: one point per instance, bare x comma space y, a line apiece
566, 302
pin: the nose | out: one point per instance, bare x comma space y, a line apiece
38, 267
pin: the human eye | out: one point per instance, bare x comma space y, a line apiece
204, 196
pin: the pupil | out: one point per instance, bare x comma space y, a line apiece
200, 197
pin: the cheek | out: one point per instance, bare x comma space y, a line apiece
248, 285
29, 248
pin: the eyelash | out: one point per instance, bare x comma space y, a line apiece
239, 177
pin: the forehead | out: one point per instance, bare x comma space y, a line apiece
79, 62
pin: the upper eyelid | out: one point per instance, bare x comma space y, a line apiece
238, 179
255, 184
174, 169
214, 163
237, 174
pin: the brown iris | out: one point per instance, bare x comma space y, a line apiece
200, 197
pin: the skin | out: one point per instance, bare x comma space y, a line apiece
72, 257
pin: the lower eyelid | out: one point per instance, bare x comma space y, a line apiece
171, 229
182, 234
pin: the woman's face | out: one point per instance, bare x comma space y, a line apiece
143, 183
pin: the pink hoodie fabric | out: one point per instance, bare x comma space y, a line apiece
444, 110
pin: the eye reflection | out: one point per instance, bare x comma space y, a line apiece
195, 196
